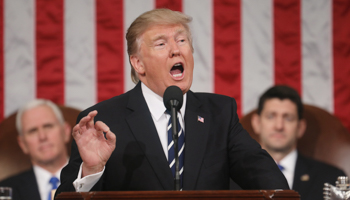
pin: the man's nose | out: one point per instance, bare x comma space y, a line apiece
174, 49
279, 123
42, 134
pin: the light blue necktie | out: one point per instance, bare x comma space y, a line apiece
53, 181
181, 148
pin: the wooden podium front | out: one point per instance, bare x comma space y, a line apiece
202, 195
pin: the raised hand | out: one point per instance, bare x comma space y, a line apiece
93, 147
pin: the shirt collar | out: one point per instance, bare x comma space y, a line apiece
155, 102
289, 161
43, 176
46, 175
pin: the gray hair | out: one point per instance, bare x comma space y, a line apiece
36, 103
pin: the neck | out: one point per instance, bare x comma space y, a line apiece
279, 155
52, 166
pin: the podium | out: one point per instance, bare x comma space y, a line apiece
187, 195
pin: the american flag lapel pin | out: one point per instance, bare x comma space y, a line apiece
200, 119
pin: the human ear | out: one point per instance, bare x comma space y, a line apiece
255, 121
22, 144
137, 64
67, 132
301, 128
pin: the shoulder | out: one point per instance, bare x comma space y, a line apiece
211, 98
18, 178
212, 103
120, 100
319, 166
206, 95
114, 104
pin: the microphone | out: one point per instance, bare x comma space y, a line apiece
173, 100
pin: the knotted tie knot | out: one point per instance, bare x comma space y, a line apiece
53, 181
280, 167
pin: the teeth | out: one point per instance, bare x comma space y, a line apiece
177, 64
177, 75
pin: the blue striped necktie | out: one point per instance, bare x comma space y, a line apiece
181, 148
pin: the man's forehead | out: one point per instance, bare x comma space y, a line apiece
43, 112
155, 30
279, 105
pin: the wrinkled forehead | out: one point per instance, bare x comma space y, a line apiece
155, 34
155, 30
152, 33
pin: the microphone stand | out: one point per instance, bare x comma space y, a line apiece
176, 148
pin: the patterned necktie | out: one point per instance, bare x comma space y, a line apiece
53, 181
181, 148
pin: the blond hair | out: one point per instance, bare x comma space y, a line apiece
143, 22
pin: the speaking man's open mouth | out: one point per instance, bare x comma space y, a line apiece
177, 71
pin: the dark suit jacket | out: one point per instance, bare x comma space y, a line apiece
310, 176
24, 186
214, 151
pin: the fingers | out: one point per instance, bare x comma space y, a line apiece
76, 131
88, 121
111, 137
100, 126
84, 124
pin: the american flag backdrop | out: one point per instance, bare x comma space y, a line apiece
74, 51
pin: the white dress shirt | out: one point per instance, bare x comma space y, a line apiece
43, 177
289, 163
160, 119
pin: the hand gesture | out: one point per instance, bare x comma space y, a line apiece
93, 147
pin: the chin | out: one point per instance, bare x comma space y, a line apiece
184, 87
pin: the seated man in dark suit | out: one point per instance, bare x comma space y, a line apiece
122, 143
279, 123
43, 135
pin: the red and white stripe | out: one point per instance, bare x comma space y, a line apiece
74, 51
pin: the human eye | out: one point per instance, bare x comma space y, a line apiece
290, 118
269, 116
48, 126
159, 43
32, 131
181, 40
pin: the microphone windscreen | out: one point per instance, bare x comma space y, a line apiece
173, 93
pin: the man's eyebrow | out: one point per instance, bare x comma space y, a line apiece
162, 36
32, 129
180, 31
158, 37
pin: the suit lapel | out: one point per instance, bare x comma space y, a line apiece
28, 189
302, 176
142, 126
196, 136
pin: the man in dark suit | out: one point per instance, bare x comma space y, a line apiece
216, 146
43, 135
279, 124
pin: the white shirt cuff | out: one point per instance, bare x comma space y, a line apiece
85, 184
